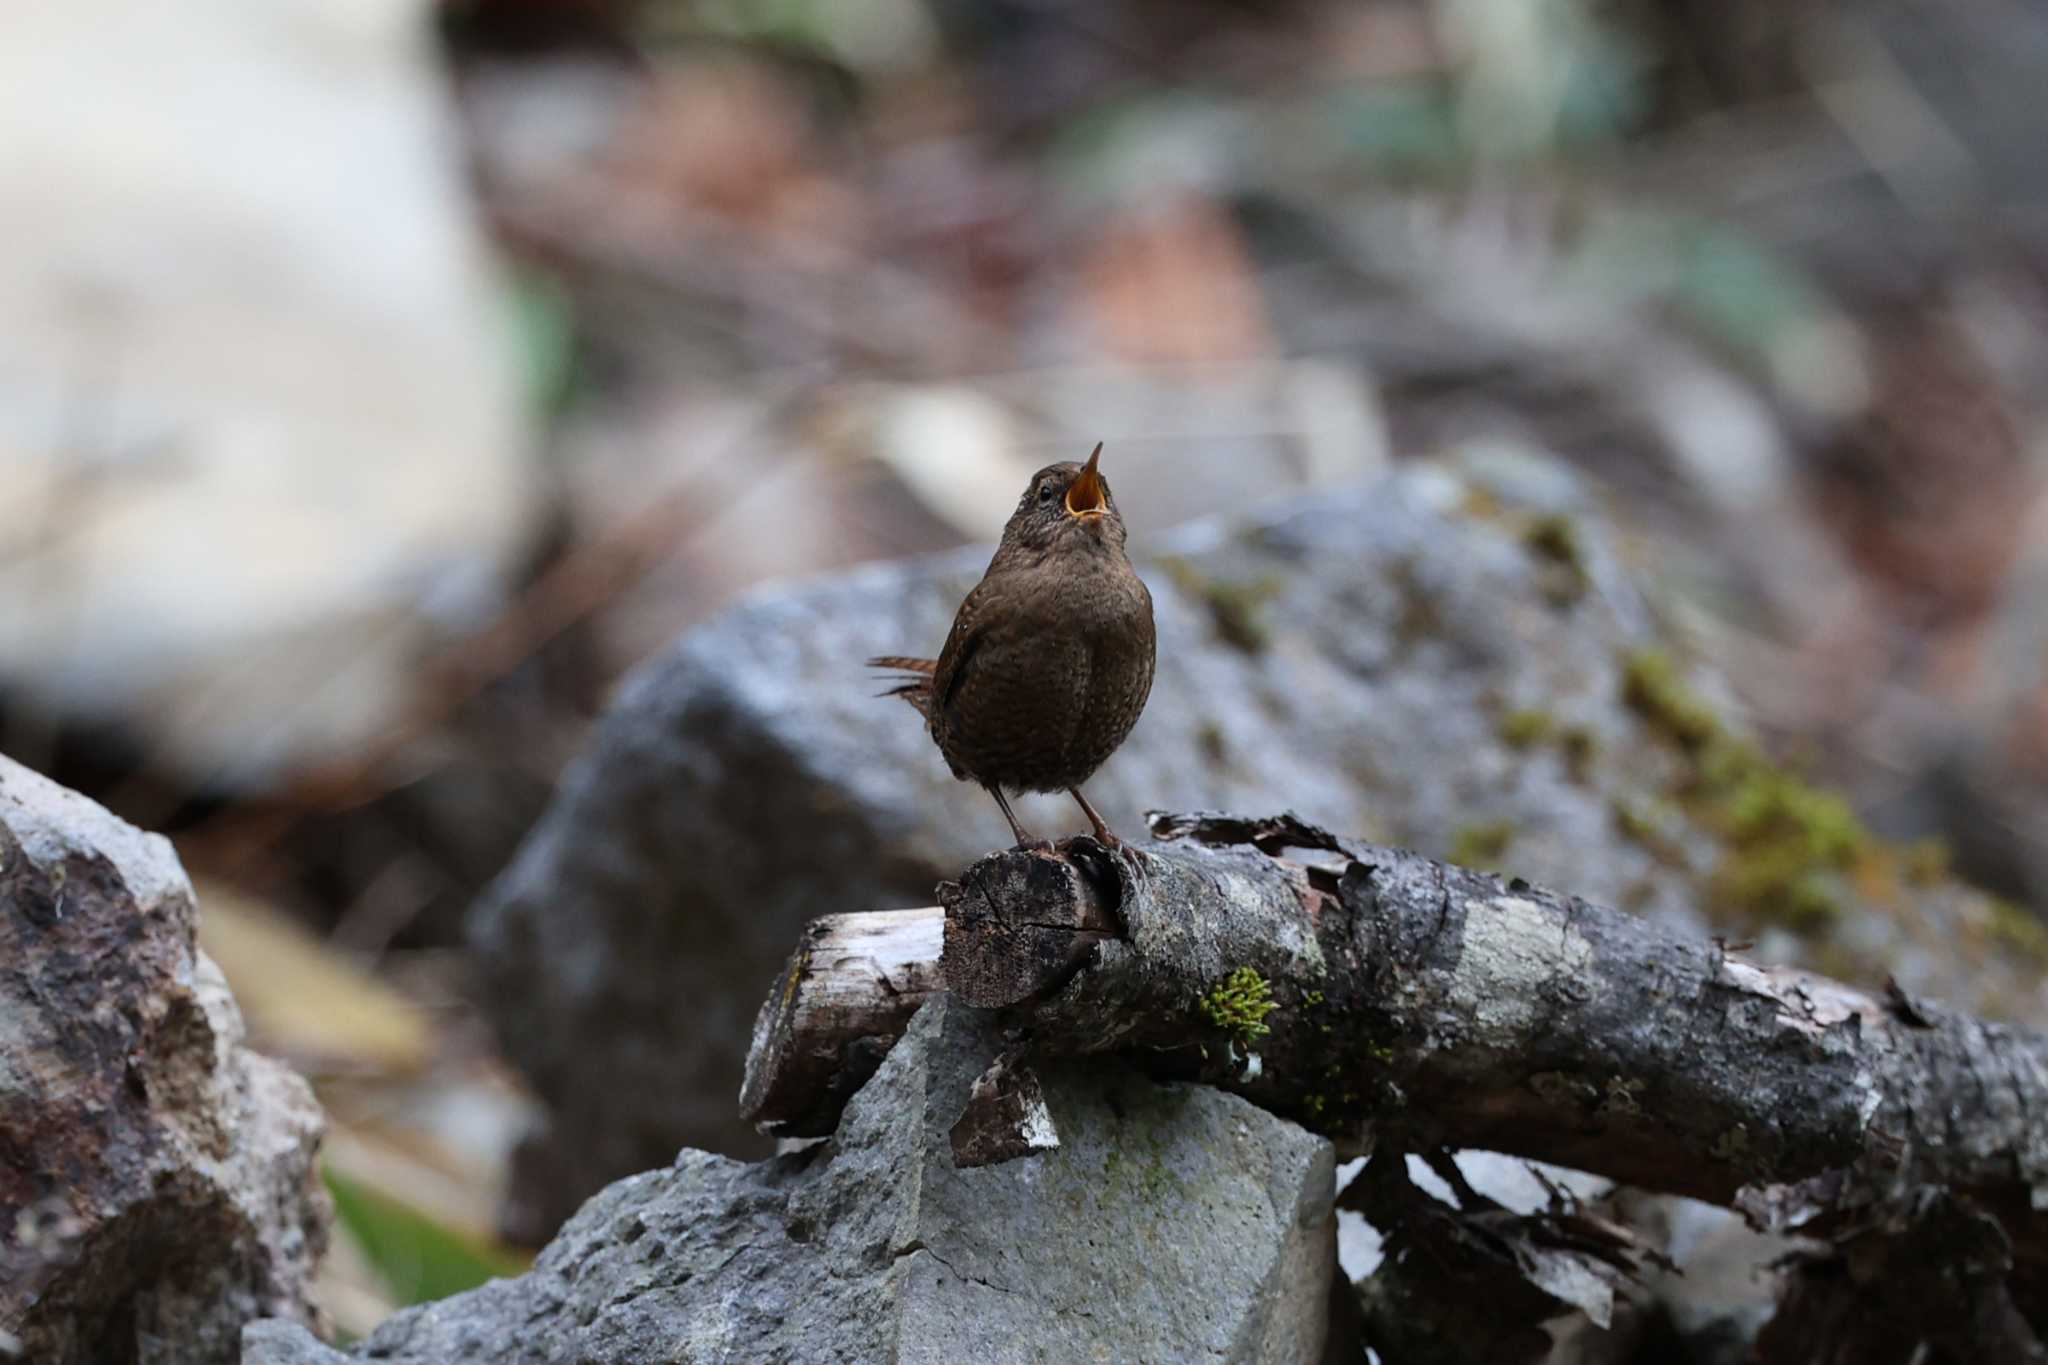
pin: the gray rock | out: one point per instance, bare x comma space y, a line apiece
1430, 660
1173, 1223
241, 501
273, 1341
157, 1181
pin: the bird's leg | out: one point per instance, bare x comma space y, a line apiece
1105, 835
1024, 840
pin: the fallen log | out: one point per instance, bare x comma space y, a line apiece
1386, 999
1344, 986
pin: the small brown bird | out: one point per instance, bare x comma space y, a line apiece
1050, 658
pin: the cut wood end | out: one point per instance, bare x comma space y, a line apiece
843, 998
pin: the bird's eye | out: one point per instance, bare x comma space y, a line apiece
1045, 492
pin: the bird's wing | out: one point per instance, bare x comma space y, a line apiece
956, 658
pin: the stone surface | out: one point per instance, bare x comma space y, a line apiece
1435, 659
274, 1341
1173, 1223
261, 433
157, 1181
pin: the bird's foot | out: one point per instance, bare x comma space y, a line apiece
1035, 846
1106, 836
1133, 856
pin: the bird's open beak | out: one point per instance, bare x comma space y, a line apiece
1088, 496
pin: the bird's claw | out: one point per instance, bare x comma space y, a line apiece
1133, 856
1035, 846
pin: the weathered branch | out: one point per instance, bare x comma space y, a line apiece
847, 994
1349, 986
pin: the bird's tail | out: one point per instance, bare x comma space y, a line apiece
916, 689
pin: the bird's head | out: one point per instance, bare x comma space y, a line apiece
1066, 505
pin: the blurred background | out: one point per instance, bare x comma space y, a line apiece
381, 379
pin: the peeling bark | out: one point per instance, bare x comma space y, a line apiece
1375, 995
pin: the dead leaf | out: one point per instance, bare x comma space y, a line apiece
303, 999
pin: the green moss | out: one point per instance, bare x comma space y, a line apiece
1235, 609
1312, 999
1554, 540
1632, 824
1524, 729
1648, 826
1651, 687
1483, 844
1785, 843
1239, 1005
1785, 840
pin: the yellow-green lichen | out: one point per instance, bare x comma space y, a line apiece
1523, 729
1240, 1004
1482, 845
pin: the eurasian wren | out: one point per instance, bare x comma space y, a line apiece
1050, 658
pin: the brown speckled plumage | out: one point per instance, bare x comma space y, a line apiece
1049, 661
